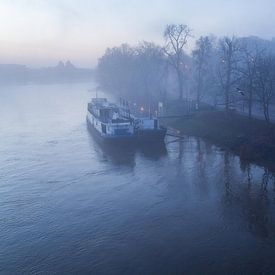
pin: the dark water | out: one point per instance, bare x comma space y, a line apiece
68, 205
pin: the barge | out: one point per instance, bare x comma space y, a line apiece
106, 123
113, 124
148, 130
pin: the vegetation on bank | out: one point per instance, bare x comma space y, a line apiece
252, 139
230, 72
233, 73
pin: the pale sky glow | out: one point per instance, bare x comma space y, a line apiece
41, 32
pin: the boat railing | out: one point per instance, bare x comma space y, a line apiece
119, 125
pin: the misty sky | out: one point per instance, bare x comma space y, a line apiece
41, 32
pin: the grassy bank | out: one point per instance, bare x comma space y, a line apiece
252, 139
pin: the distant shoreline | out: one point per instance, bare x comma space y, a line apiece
74, 81
14, 74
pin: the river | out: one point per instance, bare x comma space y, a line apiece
67, 205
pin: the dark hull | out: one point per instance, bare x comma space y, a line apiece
141, 137
151, 136
118, 140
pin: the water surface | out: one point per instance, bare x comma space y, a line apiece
67, 205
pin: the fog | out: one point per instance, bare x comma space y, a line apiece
42, 32
137, 137
129, 50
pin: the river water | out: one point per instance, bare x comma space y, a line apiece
67, 205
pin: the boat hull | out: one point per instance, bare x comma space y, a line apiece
151, 136
112, 140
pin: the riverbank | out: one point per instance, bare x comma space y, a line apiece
253, 139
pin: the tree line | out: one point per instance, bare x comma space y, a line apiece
226, 72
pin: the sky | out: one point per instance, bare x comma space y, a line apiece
42, 32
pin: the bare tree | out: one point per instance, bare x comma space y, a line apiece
150, 71
176, 37
265, 82
136, 73
250, 52
201, 57
228, 67
114, 72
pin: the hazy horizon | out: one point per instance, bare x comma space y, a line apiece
40, 33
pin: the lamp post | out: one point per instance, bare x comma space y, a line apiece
243, 93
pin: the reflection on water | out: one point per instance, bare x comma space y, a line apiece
71, 205
153, 151
250, 199
125, 155
117, 155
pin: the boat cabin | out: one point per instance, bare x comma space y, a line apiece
106, 118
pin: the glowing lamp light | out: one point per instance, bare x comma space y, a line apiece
141, 109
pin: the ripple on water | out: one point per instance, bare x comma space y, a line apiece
69, 205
